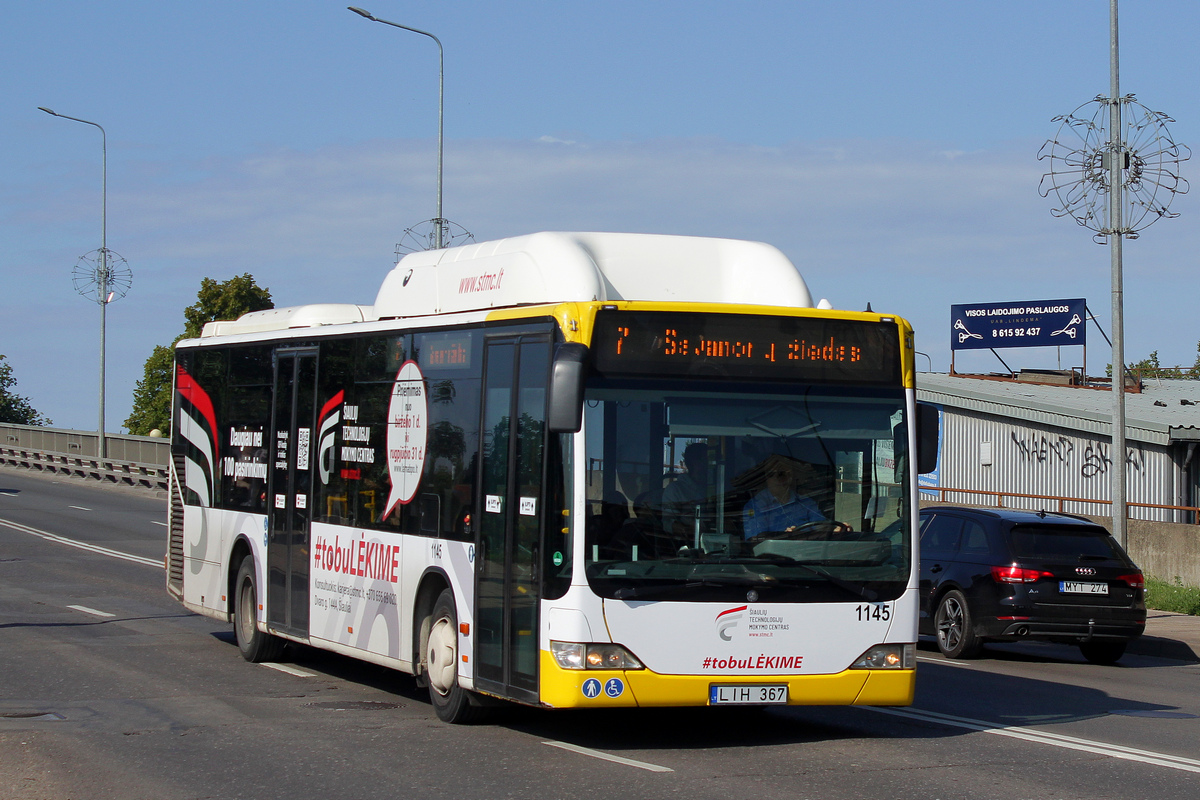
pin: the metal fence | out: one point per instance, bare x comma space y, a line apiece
1070, 505
138, 461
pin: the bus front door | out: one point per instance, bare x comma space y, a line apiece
510, 514
291, 490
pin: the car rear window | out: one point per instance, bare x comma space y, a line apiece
976, 542
940, 535
1050, 541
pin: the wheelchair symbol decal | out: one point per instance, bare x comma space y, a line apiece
613, 687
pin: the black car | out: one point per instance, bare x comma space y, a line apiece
1005, 575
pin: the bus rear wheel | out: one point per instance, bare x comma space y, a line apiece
451, 702
256, 645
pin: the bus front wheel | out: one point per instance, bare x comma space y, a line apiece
451, 702
256, 645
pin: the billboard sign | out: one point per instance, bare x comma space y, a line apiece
1037, 323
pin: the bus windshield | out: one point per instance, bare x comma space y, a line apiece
727, 491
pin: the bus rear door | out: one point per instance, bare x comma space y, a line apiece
290, 493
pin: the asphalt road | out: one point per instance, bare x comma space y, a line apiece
156, 702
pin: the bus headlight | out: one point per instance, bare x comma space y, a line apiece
576, 655
888, 656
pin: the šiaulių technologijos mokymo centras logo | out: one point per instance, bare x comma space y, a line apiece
728, 619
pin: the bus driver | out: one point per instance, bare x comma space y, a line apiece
780, 506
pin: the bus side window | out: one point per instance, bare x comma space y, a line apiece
430, 513
248, 413
452, 367
210, 372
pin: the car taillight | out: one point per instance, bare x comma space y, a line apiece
1015, 574
1134, 580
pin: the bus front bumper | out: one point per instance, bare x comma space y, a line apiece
595, 688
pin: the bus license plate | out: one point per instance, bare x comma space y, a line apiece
748, 694
1082, 587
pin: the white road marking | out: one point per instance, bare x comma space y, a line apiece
945, 662
629, 762
92, 611
1047, 738
299, 673
156, 522
91, 548
79, 508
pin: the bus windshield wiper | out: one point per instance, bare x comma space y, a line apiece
853, 588
707, 582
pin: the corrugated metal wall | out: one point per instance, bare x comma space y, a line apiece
1031, 458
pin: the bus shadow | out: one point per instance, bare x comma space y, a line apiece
655, 729
1000, 701
978, 695
345, 668
1007, 700
1033, 652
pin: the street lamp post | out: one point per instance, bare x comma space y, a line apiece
1116, 161
104, 265
1115, 174
439, 221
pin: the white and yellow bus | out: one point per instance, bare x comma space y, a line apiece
481, 479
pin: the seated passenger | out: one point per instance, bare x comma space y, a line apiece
644, 530
604, 526
690, 489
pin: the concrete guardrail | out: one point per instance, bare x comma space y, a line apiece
137, 461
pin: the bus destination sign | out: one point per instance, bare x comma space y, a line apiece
745, 346
450, 350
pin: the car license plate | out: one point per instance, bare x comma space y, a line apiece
1082, 587
746, 694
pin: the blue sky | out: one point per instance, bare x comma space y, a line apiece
889, 149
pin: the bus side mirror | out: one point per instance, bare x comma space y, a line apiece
927, 438
566, 388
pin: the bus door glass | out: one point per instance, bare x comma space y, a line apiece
290, 495
514, 422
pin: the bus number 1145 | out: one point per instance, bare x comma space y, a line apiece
874, 612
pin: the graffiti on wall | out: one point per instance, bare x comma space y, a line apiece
1041, 448
1094, 460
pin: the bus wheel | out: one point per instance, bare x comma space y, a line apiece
451, 702
255, 645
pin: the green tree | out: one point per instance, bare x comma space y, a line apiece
225, 301
14, 408
215, 301
1150, 367
152, 395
